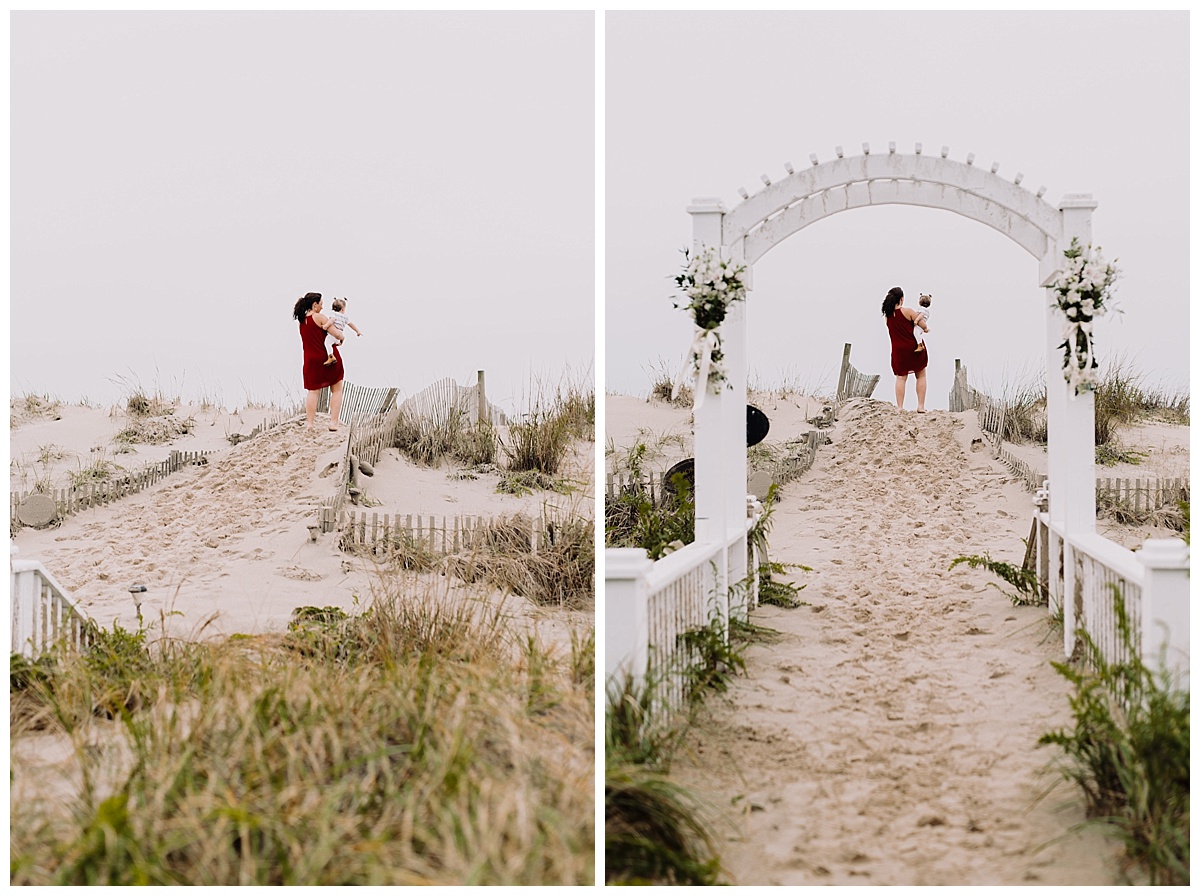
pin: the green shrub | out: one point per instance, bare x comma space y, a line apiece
1129, 752
772, 590
714, 659
631, 519
539, 442
1023, 579
655, 830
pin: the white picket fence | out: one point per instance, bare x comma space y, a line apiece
652, 606
1083, 575
42, 614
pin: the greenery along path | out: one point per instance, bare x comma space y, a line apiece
888, 735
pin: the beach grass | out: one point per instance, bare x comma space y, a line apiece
656, 830
1122, 398
418, 742
1129, 752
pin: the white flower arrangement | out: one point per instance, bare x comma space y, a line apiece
711, 285
1084, 291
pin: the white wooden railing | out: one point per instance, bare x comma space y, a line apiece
651, 605
1081, 571
42, 614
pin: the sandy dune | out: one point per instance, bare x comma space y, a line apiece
887, 734
225, 546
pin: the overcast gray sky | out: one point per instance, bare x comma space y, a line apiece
698, 104
178, 179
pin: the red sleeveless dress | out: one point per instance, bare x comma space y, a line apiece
318, 375
905, 357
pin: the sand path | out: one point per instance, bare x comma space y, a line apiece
888, 735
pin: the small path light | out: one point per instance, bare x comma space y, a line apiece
134, 591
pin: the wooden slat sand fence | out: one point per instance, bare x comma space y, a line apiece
1135, 496
438, 536
962, 396
851, 382
1032, 478
272, 422
651, 486
359, 402
1141, 496
801, 455
33, 507
992, 415
438, 401
365, 443
42, 615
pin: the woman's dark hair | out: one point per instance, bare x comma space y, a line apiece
895, 294
304, 303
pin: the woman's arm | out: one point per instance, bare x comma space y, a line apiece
915, 316
327, 325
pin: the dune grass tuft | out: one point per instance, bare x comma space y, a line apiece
399, 746
1129, 752
656, 831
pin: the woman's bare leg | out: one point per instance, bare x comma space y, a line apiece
335, 404
310, 406
921, 384
901, 382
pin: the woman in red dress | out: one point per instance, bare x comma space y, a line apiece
317, 374
906, 358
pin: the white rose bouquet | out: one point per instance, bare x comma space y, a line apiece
1084, 292
711, 285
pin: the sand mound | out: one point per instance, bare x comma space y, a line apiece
191, 529
224, 546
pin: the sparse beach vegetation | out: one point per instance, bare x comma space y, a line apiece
418, 742
1129, 752
662, 387
99, 470
632, 519
1121, 398
656, 831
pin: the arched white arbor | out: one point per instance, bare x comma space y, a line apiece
645, 602
753, 227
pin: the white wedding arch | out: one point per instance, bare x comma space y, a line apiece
744, 234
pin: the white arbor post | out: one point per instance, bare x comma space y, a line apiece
1071, 419
714, 416
733, 434
706, 231
1076, 414
626, 649
1166, 610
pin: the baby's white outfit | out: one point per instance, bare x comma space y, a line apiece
342, 322
917, 331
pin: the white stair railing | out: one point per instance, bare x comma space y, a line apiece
42, 613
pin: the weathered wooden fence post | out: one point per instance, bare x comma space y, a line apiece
626, 623
482, 412
841, 387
